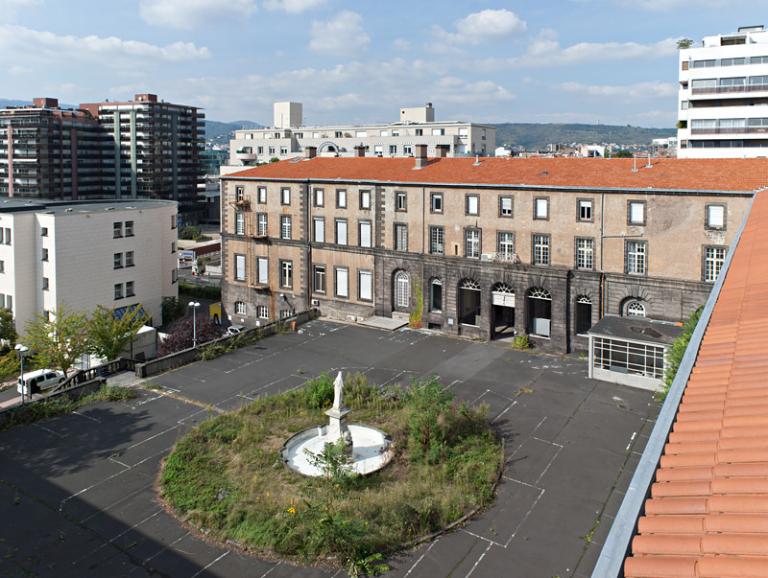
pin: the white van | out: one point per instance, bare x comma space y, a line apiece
39, 380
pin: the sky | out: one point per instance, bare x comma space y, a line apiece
589, 61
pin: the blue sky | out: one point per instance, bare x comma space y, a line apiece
607, 61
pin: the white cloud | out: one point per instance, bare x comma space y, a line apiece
191, 13
10, 9
640, 90
342, 34
482, 26
28, 44
292, 6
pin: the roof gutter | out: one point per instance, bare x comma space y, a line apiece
610, 564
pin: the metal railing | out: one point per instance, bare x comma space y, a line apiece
730, 89
103, 370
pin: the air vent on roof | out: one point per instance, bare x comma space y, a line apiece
110, 209
477, 161
67, 210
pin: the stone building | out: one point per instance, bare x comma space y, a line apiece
484, 248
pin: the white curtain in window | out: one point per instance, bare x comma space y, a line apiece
366, 285
365, 234
342, 282
240, 267
263, 266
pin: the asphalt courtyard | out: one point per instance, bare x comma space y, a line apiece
77, 495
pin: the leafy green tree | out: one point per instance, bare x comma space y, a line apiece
623, 154
108, 335
684, 43
60, 340
7, 327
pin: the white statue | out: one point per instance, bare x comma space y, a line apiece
338, 389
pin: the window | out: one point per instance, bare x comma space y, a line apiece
174, 276
117, 230
342, 282
704, 63
174, 219
129, 228
286, 274
401, 237
239, 223
9, 302
585, 254
407, 150
285, 196
392, 149
472, 243
341, 231
472, 205
285, 227
173, 246
261, 224
714, 258
469, 306
437, 240
239, 267
261, 195
715, 217
540, 249
635, 309
118, 290
341, 199
636, 212
44, 256
583, 314
628, 357
46, 284
2, 266
584, 210
129, 290
129, 258
436, 295
318, 279
117, 260
401, 201
364, 234
319, 197
539, 312
262, 312
505, 206
262, 270
44, 231
636, 257
285, 313
419, 132
402, 290
318, 229
240, 308
436, 203
505, 245
541, 208
365, 200
365, 285
239, 193
438, 132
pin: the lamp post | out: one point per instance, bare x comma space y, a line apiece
22, 349
194, 305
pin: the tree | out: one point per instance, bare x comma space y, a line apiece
7, 327
623, 154
684, 43
109, 334
180, 334
60, 340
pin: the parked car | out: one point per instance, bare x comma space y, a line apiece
39, 380
235, 329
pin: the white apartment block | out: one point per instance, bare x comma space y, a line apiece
81, 254
417, 125
723, 109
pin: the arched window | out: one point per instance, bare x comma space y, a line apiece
402, 290
583, 314
635, 309
539, 311
436, 295
469, 302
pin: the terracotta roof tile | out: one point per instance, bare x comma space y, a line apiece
678, 174
708, 512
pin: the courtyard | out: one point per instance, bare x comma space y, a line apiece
77, 492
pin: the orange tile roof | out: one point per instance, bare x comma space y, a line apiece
707, 515
677, 174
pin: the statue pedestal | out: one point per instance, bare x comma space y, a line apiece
337, 427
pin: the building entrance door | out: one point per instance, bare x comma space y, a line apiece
503, 302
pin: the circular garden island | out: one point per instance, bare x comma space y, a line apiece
228, 479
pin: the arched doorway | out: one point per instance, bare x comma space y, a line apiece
583, 314
401, 291
469, 302
539, 307
503, 311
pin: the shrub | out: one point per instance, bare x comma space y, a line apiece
521, 342
211, 292
677, 351
318, 392
190, 233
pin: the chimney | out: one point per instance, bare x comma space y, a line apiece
442, 150
310, 152
421, 156
45, 102
360, 151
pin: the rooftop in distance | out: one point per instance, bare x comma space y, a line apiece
90, 206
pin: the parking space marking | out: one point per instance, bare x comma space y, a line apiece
420, 558
268, 572
204, 568
168, 547
477, 562
505, 410
120, 535
50, 431
86, 416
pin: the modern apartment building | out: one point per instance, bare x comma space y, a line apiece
723, 111
288, 138
482, 248
155, 150
86, 253
50, 152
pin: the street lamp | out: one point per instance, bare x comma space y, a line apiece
22, 349
194, 305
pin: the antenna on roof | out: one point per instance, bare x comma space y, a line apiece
634, 164
649, 165
477, 161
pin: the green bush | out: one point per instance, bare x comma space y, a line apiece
318, 392
521, 342
172, 309
677, 351
211, 292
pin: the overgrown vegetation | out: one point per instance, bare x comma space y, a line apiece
214, 350
211, 292
172, 309
415, 319
521, 342
62, 404
192, 233
677, 351
227, 475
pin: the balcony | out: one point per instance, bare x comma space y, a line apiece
731, 89
739, 130
508, 258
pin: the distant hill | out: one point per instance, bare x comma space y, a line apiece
537, 136
220, 132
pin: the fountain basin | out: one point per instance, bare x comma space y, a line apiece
371, 449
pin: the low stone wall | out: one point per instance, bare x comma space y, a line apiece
174, 360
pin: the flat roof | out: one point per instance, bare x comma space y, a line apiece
18, 205
636, 329
710, 175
